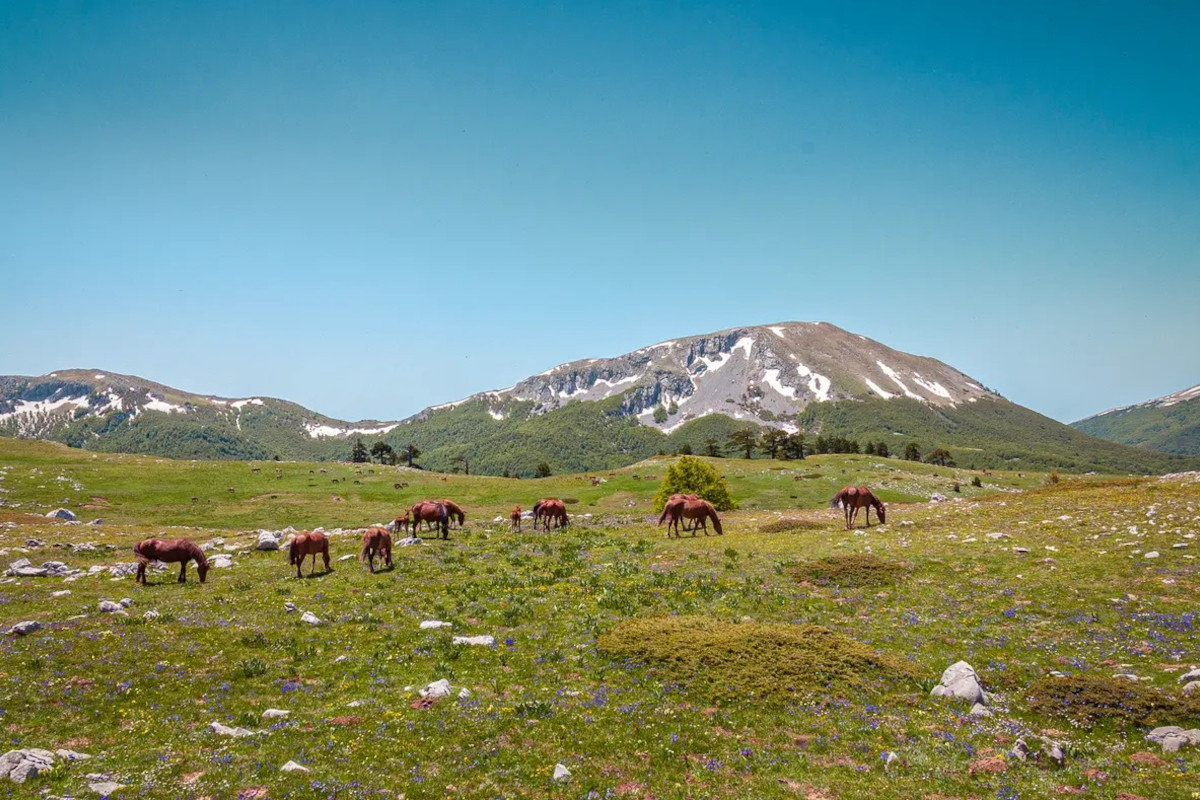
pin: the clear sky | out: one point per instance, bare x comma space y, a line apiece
369, 207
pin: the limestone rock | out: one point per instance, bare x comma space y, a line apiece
959, 680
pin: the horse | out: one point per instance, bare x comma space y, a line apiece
376, 542
400, 522
454, 511
309, 544
515, 516
548, 510
169, 551
431, 511
852, 498
690, 507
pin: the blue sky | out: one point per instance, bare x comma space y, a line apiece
368, 208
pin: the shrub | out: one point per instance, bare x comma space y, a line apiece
790, 524
851, 569
1091, 699
691, 475
741, 662
976, 482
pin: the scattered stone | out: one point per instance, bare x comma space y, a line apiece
1192, 675
561, 773
96, 521
1191, 686
25, 628
275, 713
959, 680
60, 593
109, 607
289, 606
19, 765
1129, 676
1053, 750
1173, 737
267, 540
475, 640
410, 541
62, 513
1151, 554
310, 618
104, 788
225, 730
126, 602
434, 624
1021, 550
464, 693
439, 688
347, 557
340, 659
937, 498
292, 766
980, 710
1020, 750
221, 561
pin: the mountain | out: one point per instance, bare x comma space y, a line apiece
599, 413
1169, 424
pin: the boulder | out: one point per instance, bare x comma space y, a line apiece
62, 513
486, 641
275, 713
20, 765
310, 618
109, 607
561, 773
225, 730
292, 766
433, 624
1191, 675
440, 688
959, 680
25, 628
267, 540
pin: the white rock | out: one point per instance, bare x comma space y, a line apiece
225, 730
561, 773
347, 557
434, 624
25, 628
104, 788
267, 541
464, 693
109, 607
289, 606
292, 766
959, 680
151, 614
475, 640
126, 602
310, 618
61, 513
61, 593
1151, 554
275, 713
439, 688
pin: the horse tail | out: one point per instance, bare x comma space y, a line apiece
666, 511
366, 548
293, 552
837, 499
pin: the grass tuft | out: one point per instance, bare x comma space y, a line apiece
1094, 699
851, 569
734, 662
785, 524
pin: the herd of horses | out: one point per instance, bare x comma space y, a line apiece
377, 539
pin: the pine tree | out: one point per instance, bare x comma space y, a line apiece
358, 454
745, 440
411, 452
773, 440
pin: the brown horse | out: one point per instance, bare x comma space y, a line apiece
693, 508
431, 511
376, 542
515, 516
309, 544
551, 509
169, 551
400, 522
454, 511
852, 498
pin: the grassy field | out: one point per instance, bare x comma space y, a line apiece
788, 658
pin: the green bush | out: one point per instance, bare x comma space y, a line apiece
691, 475
784, 524
1092, 699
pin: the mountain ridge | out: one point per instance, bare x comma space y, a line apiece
1167, 424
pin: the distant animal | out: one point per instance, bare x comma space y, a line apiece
400, 522
548, 510
431, 511
852, 498
169, 551
516, 518
376, 542
689, 507
309, 544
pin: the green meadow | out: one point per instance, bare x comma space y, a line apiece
788, 658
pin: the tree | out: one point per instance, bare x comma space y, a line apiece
912, 452
411, 451
745, 440
543, 470
685, 449
660, 414
941, 458
462, 462
712, 448
881, 449
690, 475
773, 441
358, 454
793, 447
382, 452
869, 449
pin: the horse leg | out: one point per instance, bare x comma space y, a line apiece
868, 512
182, 573
325, 558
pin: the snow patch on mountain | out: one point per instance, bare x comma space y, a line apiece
932, 386
895, 376
253, 401
316, 431
154, 404
771, 376
875, 388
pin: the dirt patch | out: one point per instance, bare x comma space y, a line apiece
752, 661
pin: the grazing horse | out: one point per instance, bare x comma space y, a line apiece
515, 516
169, 551
376, 542
693, 508
400, 522
852, 498
454, 511
431, 511
309, 544
551, 509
